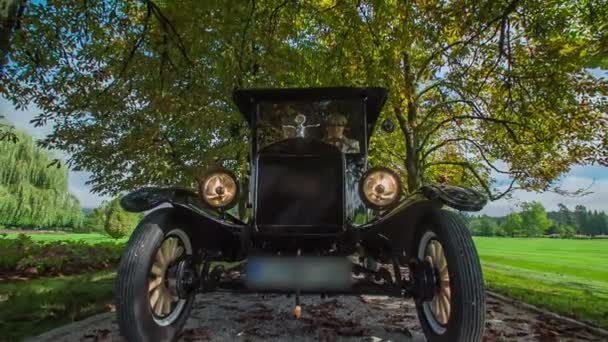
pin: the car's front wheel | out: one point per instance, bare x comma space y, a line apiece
149, 305
454, 309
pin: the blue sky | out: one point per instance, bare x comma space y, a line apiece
578, 177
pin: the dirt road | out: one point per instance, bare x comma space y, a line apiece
252, 317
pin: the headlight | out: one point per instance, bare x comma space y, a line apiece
380, 188
218, 188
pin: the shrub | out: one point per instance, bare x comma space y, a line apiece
58, 257
118, 222
567, 231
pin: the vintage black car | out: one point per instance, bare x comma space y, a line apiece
320, 220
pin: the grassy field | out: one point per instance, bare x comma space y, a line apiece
565, 276
89, 238
29, 308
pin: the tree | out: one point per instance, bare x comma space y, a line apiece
597, 223
603, 224
581, 217
33, 191
118, 222
534, 218
7, 131
140, 91
565, 215
513, 225
568, 231
483, 226
10, 16
95, 220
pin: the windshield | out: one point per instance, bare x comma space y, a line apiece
336, 122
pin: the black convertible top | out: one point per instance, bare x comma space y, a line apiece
246, 99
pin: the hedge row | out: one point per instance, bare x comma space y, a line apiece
24, 256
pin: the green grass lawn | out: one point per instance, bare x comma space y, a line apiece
565, 276
28, 308
87, 237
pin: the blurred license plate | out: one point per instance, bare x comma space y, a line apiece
305, 273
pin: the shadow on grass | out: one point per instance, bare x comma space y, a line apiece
571, 299
28, 308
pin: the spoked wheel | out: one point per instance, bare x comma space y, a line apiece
164, 302
452, 304
438, 309
155, 280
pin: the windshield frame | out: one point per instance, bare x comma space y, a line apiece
360, 102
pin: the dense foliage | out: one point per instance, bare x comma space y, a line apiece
32, 193
139, 92
533, 221
119, 223
94, 220
23, 255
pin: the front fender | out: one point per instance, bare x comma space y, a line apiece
456, 197
397, 227
208, 228
148, 198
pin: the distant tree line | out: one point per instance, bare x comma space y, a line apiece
534, 221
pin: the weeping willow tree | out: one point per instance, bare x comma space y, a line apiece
32, 194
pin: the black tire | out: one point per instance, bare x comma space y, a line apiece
136, 319
467, 292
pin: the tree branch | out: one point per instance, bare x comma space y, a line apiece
477, 146
510, 8
480, 180
169, 28
504, 123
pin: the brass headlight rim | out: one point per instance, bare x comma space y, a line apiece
364, 198
201, 182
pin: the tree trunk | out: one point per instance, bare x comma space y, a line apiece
10, 11
408, 127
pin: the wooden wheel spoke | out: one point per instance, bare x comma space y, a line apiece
446, 292
445, 279
155, 283
179, 251
158, 307
440, 306
439, 256
156, 270
443, 266
447, 307
439, 311
164, 252
168, 249
435, 306
160, 258
431, 250
154, 297
167, 304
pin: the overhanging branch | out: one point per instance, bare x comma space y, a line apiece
466, 165
504, 123
502, 17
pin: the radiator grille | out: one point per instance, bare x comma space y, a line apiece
300, 191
